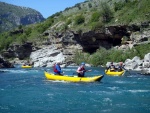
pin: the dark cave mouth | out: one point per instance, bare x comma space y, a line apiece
110, 44
90, 49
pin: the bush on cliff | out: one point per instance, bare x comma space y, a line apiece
79, 19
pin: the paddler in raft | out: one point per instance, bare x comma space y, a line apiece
57, 69
81, 70
121, 67
111, 67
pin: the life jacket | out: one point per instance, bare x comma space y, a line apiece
81, 69
112, 67
119, 68
54, 69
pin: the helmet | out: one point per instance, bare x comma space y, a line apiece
82, 63
58, 62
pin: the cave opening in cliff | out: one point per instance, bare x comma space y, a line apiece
117, 42
90, 49
114, 42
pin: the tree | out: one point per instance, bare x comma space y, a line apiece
106, 12
90, 5
20, 27
79, 19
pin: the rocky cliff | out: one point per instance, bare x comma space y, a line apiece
62, 46
4, 63
12, 16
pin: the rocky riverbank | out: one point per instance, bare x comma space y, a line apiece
5, 64
136, 64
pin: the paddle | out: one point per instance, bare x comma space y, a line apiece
75, 73
128, 72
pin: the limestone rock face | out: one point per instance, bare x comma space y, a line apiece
47, 57
19, 51
5, 64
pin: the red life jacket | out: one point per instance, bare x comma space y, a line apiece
54, 68
82, 69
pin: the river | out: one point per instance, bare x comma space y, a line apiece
28, 91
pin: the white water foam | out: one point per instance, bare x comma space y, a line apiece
56, 81
107, 100
121, 82
138, 91
15, 71
82, 91
113, 88
65, 69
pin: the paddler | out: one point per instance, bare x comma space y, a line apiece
81, 70
57, 69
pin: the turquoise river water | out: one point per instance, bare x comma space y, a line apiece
28, 91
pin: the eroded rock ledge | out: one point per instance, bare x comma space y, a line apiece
63, 45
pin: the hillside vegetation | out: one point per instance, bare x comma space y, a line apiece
83, 17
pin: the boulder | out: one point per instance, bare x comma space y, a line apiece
137, 60
130, 64
47, 57
147, 57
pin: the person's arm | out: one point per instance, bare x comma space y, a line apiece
124, 67
107, 67
88, 70
78, 70
58, 69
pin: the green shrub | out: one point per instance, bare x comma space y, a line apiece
79, 57
78, 5
95, 17
28, 31
45, 25
97, 25
118, 6
106, 12
89, 5
69, 21
20, 27
22, 39
79, 19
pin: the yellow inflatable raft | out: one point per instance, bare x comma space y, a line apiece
51, 76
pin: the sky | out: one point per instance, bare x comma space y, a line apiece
45, 7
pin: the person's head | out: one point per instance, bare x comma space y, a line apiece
121, 63
58, 63
111, 63
82, 64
